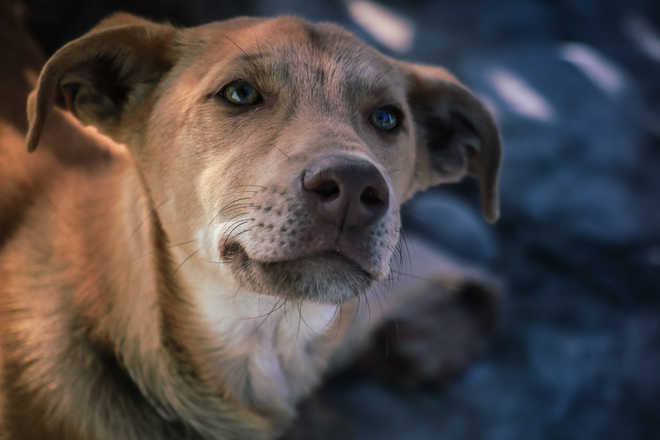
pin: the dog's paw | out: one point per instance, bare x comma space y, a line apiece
435, 337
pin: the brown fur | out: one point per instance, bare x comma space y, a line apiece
105, 328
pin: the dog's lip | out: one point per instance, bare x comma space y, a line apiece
232, 249
326, 255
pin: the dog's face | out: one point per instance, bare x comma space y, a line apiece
276, 151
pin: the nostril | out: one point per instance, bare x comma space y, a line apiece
327, 190
343, 191
370, 197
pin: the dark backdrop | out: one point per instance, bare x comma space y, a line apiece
575, 88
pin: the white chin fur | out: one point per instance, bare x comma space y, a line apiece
271, 333
227, 305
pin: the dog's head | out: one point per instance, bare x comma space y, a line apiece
277, 151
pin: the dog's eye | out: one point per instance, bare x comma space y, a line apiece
240, 92
385, 118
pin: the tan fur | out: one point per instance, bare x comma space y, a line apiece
125, 309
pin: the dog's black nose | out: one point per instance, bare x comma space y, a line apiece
345, 191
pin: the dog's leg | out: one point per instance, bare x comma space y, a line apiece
424, 327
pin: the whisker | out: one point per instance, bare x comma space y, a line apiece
192, 254
309, 327
241, 232
366, 302
233, 227
299, 319
412, 275
149, 215
237, 214
233, 202
275, 308
247, 57
170, 246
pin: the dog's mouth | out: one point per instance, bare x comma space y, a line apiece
328, 276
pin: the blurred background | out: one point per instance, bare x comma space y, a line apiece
575, 87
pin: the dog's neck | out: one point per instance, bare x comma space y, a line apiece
158, 357
133, 305
242, 358
250, 354
257, 353
265, 351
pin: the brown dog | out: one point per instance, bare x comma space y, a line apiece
192, 274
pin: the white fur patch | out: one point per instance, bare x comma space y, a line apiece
269, 333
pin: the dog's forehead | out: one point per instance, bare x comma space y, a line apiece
291, 45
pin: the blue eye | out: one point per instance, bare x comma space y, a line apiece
385, 119
240, 92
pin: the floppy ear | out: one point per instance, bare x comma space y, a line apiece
102, 74
456, 135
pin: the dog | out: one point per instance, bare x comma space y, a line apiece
204, 214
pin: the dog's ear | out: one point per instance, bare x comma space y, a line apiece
456, 135
97, 76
